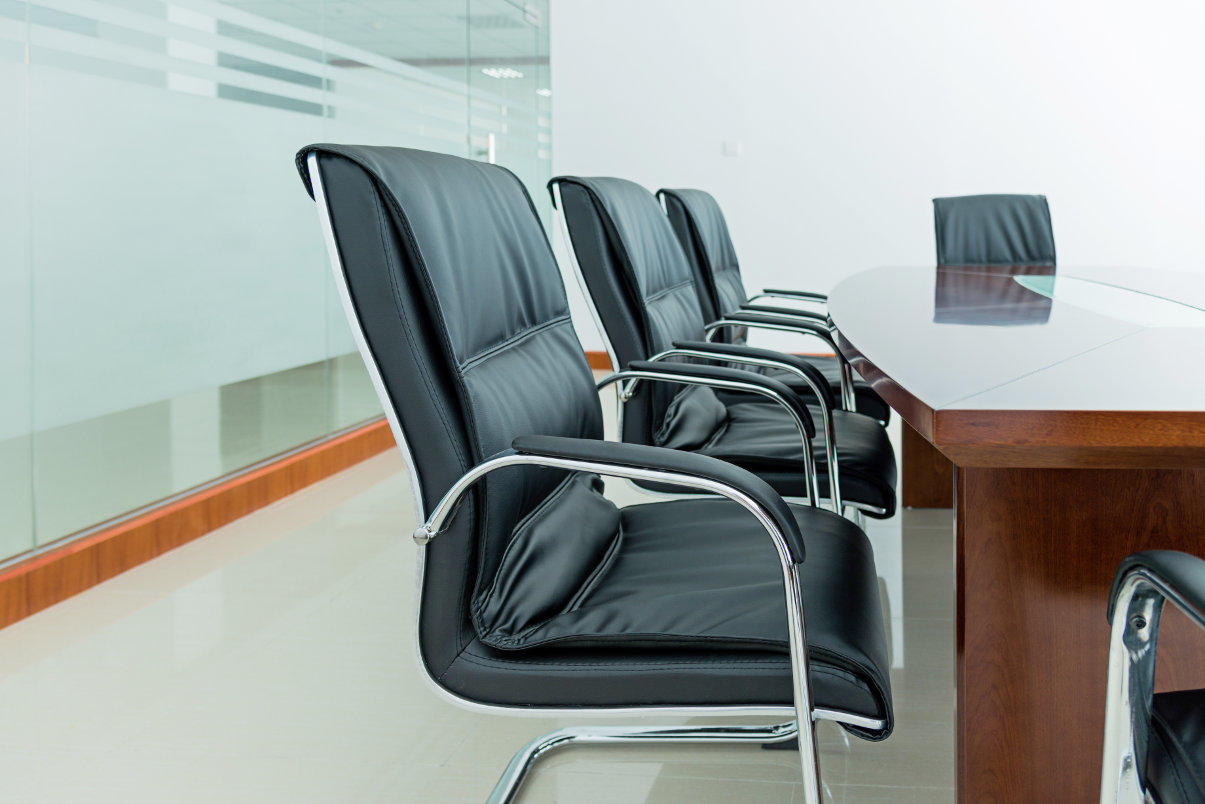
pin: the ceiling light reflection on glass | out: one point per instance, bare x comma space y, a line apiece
501, 72
544, 93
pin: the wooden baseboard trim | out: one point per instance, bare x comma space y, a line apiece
599, 361
29, 586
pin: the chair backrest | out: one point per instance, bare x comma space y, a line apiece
993, 230
702, 230
451, 280
643, 289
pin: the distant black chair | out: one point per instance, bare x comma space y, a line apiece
980, 230
702, 230
537, 594
1154, 744
643, 293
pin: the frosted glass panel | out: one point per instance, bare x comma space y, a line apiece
16, 501
171, 317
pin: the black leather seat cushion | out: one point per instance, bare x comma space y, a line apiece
1175, 763
761, 438
693, 605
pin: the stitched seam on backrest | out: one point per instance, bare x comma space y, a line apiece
513, 340
666, 291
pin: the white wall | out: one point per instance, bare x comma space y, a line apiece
852, 116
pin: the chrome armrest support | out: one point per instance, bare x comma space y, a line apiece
830, 442
802, 326
1131, 684
805, 713
630, 377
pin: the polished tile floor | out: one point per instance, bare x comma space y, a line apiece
272, 661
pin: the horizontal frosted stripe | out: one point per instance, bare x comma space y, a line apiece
390, 93
276, 73
314, 67
155, 31
260, 62
100, 49
12, 10
13, 31
269, 42
105, 68
227, 92
12, 51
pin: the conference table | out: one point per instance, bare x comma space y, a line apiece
1071, 404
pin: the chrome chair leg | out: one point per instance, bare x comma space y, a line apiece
512, 777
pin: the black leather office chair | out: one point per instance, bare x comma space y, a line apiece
537, 593
700, 226
642, 290
1154, 744
979, 230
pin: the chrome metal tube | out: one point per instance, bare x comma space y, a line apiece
1129, 690
523, 761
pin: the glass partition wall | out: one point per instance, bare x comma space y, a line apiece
166, 314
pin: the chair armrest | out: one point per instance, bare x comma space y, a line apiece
723, 377
759, 320
771, 506
1179, 577
818, 382
795, 294
786, 312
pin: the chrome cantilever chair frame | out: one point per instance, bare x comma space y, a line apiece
1131, 685
508, 785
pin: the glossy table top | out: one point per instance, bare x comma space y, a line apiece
1035, 366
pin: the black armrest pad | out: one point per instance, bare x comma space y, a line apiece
735, 350
801, 324
1183, 573
799, 294
669, 460
790, 312
705, 372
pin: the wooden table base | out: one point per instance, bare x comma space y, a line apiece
1036, 550
927, 476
